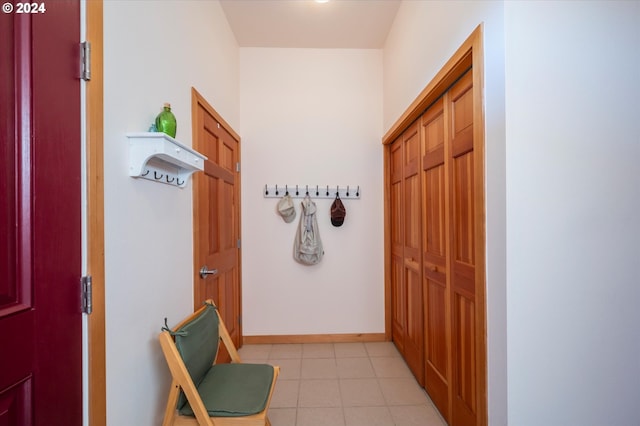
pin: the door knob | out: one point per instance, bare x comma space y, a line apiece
204, 271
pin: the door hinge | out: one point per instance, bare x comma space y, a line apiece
239, 319
85, 61
238, 167
86, 296
238, 243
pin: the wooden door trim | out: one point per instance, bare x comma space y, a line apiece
97, 380
197, 98
455, 67
470, 55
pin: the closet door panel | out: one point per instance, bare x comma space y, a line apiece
463, 249
464, 401
398, 285
414, 338
463, 214
434, 244
399, 304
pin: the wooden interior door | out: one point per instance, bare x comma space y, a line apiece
412, 222
216, 199
435, 265
462, 238
40, 218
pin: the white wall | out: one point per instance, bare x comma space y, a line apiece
153, 53
573, 191
425, 34
312, 117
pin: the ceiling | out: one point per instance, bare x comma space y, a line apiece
337, 24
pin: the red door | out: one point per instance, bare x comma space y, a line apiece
40, 218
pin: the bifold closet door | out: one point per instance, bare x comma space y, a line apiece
435, 266
449, 220
406, 282
462, 238
414, 337
398, 289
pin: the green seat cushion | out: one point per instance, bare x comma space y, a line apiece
233, 390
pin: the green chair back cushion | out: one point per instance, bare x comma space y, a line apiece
197, 342
234, 390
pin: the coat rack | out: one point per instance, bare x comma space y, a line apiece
352, 192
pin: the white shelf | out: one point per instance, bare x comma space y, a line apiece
160, 158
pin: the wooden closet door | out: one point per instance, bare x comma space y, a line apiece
444, 249
414, 337
398, 290
434, 133
406, 282
464, 302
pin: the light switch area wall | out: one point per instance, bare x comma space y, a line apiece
312, 116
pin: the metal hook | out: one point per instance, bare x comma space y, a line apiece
317, 192
358, 191
178, 182
155, 175
266, 190
145, 173
169, 181
286, 190
277, 193
297, 193
307, 193
327, 190
337, 191
347, 190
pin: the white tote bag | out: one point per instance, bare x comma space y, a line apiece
307, 247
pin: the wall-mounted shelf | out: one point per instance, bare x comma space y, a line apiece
160, 158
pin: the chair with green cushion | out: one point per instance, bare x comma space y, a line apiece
205, 393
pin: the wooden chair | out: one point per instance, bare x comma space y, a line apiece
205, 393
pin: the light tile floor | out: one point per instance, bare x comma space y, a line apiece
343, 384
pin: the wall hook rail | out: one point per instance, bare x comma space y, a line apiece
332, 191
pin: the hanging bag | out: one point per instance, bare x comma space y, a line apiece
338, 212
307, 247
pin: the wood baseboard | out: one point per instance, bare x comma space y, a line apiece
315, 338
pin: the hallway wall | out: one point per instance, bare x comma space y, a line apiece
562, 195
153, 53
312, 117
573, 191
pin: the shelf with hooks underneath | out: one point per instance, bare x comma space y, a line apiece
160, 158
314, 191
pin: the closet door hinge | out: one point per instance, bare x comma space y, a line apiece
238, 243
238, 167
86, 285
85, 61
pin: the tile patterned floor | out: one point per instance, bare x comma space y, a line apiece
343, 384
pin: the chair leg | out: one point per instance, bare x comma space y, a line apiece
172, 401
268, 423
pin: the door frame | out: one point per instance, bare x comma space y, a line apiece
469, 55
97, 382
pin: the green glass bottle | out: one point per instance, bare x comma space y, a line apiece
166, 121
